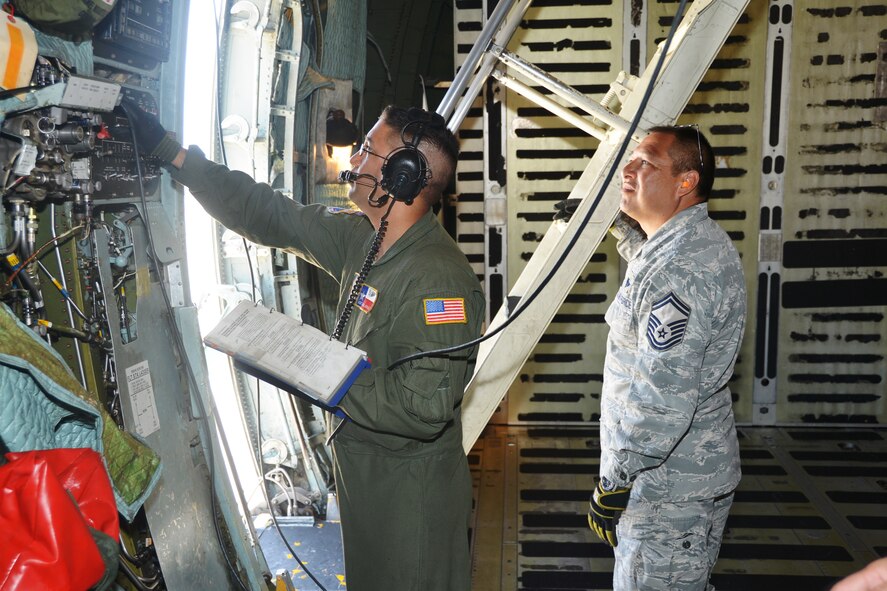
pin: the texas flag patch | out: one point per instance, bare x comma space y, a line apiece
367, 298
445, 311
667, 323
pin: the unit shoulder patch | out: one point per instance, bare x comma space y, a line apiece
444, 311
367, 298
667, 323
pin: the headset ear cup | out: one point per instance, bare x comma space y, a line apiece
404, 174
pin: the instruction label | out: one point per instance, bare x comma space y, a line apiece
26, 160
141, 393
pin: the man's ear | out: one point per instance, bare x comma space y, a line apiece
689, 180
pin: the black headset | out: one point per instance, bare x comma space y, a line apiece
405, 172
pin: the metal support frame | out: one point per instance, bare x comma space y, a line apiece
773, 141
565, 92
500, 358
256, 109
495, 219
552, 106
497, 31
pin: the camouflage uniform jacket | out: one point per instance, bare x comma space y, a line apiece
676, 325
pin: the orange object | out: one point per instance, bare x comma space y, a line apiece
18, 52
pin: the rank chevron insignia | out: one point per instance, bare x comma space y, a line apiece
667, 323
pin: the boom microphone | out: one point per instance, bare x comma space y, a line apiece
364, 180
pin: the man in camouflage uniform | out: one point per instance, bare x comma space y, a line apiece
402, 478
669, 454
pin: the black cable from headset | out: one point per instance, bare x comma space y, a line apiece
362, 274
525, 303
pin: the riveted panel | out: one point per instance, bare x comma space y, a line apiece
580, 43
468, 15
815, 326
833, 289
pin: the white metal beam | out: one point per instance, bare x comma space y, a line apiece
694, 46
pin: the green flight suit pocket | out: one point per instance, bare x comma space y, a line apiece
365, 326
428, 392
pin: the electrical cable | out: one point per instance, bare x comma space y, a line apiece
527, 300
136, 579
355, 292
13, 184
282, 472
58, 261
267, 496
362, 274
5, 94
372, 41
65, 295
181, 346
30, 259
289, 500
123, 279
12, 246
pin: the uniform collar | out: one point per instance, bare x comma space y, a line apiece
679, 223
416, 232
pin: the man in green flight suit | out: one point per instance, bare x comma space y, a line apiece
402, 477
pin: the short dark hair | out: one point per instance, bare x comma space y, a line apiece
435, 137
691, 151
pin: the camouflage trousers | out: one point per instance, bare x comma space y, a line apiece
669, 546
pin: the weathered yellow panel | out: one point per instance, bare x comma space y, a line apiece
580, 45
832, 329
830, 362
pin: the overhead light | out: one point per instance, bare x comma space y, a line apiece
340, 131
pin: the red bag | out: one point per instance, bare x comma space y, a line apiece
45, 540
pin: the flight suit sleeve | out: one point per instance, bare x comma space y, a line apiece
418, 398
265, 216
629, 235
665, 369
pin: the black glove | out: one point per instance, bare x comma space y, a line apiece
150, 135
605, 506
566, 208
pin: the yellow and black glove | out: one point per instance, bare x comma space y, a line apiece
606, 503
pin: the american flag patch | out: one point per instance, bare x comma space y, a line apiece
445, 311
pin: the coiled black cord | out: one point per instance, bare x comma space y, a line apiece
362, 274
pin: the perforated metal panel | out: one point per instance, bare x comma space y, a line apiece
815, 332
834, 295
579, 43
470, 172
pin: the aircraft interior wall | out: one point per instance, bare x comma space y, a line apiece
95, 272
793, 106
